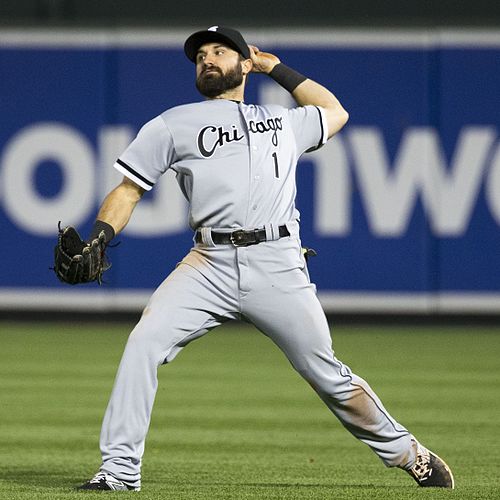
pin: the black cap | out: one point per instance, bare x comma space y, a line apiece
228, 36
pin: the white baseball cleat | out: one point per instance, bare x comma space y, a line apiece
431, 471
104, 481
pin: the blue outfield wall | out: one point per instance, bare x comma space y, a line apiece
403, 206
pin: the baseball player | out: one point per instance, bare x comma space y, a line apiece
235, 163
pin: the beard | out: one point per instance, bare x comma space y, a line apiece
214, 84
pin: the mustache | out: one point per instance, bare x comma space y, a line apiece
212, 68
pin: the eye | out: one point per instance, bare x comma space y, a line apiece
219, 52
200, 57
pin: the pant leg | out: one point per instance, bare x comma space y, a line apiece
282, 303
183, 308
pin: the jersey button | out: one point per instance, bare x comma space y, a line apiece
255, 148
257, 177
254, 207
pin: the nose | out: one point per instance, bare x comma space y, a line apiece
209, 65
208, 61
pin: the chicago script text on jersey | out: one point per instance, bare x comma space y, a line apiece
212, 137
274, 123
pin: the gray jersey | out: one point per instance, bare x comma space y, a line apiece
235, 163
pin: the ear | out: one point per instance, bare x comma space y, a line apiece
246, 66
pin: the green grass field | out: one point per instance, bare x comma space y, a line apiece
232, 420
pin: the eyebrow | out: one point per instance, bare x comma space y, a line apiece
216, 47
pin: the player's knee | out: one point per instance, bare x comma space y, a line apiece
324, 377
308, 372
145, 343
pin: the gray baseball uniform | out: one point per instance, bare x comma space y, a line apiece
235, 163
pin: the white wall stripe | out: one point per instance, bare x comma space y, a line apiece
317, 38
133, 301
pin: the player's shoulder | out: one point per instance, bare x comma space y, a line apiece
166, 122
182, 108
268, 108
292, 112
185, 110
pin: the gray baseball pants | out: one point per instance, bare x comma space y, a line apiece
268, 285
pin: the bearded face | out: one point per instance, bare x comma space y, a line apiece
212, 81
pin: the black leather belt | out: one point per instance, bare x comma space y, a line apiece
241, 238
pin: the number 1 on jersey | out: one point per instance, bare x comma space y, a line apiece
276, 169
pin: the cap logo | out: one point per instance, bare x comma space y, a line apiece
213, 28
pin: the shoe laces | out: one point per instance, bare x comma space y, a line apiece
422, 468
100, 476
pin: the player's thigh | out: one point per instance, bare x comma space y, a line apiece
294, 319
181, 309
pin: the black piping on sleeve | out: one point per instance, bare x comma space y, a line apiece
134, 173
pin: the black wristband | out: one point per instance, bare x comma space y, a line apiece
99, 226
287, 77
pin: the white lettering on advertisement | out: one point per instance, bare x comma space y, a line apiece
355, 159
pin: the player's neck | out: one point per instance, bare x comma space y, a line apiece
235, 94
230, 96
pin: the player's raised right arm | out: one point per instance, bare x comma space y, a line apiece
304, 90
311, 92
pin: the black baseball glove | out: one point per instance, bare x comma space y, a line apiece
76, 261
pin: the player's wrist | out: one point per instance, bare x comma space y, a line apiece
101, 226
270, 67
287, 77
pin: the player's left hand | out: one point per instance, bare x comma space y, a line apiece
263, 62
76, 261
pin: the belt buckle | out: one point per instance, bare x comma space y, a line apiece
242, 238
237, 237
